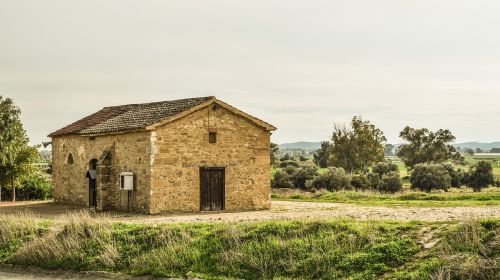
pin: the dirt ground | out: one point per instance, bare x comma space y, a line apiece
280, 210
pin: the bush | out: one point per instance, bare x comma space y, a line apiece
374, 179
36, 186
333, 180
480, 176
282, 180
390, 183
456, 175
302, 175
284, 164
383, 168
429, 176
360, 182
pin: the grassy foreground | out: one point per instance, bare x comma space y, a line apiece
330, 249
455, 197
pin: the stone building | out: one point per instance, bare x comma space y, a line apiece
188, 155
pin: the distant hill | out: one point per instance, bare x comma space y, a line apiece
316, 145
300, 146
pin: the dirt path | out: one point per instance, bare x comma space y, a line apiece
280, 210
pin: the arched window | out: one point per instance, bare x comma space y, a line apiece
70, 159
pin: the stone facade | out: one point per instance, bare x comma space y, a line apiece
166, 162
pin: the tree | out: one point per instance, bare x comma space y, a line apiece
16, 156
495, 150
389, 150
274, 150
424, 146
321, 155
429, 176
357, 147
480, 176
479, 151
469, 151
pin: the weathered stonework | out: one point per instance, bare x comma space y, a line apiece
166, 162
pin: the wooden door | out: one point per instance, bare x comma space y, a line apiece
212, 189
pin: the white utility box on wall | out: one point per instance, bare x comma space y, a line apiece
126, 181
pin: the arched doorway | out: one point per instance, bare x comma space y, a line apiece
92, 177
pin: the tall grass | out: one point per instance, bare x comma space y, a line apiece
326, 249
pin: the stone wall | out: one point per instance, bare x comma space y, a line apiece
115, 153
182, 147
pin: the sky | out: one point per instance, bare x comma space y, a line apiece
300, 65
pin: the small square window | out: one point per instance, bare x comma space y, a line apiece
212, 137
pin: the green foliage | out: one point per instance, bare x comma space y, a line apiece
333, 179
426, 177
457, 175
286, 163
424, 146
304, 174
390, 183
282, 180
321, 155
16, 156
374, 179
384, 167
480, 176
357, 147
360, 182
34, 187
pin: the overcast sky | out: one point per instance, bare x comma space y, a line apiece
300, 65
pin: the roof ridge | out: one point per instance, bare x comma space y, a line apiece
159, 102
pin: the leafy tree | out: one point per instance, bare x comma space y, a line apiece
495, 150
321, 155
357, 147
389, 150
479, 150
284, 164
429, 176
469, 151
286, 157
424, 146
273, 153
302, 158
16, 156
390, 183
481, 176
384, 167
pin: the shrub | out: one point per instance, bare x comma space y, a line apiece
36, 186
291, 170
480, 176
429, 176
390, 183
334, 179
456, 175
302, 175
383, 168
282, 180
284, 164
374, 179
360, 182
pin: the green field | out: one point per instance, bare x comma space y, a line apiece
323, 249
455, 197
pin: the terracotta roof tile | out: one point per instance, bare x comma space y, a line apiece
129, 117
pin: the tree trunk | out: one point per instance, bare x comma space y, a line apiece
13, 187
